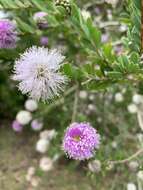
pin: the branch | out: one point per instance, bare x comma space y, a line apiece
75, 106
140, 151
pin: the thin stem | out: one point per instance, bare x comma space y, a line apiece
75, 106
109, 24
59, 101
140, 151
87, 81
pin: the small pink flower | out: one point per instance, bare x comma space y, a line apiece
44, 40
17, 127
36, 125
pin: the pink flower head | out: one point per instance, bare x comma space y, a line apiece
36, 125
8, 34
80, 141
17, 127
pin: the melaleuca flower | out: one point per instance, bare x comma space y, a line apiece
38, 73
80, 141
8, 34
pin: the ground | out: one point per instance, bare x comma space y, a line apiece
17, 154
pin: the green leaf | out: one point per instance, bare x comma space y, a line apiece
8, 3
98, 85
108, 52
134, 57
67, 68
39, 4
24, 27
114, 74
94, 33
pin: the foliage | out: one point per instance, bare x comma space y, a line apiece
91, 64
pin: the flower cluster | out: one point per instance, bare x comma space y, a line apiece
24, 117
43, 143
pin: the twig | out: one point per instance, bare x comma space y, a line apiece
108, 24
75, 106
127, 159
87, 81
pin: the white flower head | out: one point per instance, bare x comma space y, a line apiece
46, 164
94, 166
23, 117
119, 97
38, 73
92, 97
83, 94
140, 175
114, 144
91, 107
31, 105
132, 108
3, 14
123, 28
42, 145
137, 99
131, 186
133, 166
